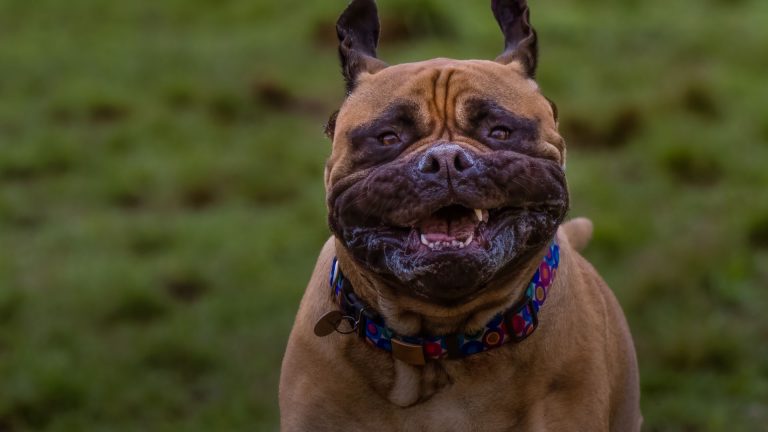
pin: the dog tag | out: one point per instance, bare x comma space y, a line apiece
409, 353
327, 323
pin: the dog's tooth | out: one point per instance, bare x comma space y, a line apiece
479, 215
424, 240
469, 240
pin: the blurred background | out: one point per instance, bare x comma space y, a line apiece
161, 198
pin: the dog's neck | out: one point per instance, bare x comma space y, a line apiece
409, 315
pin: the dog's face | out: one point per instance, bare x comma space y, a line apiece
445, 175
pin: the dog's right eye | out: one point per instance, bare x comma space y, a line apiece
389, 139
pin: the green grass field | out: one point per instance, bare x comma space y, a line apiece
161, 198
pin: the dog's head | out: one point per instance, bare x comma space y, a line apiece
445, 175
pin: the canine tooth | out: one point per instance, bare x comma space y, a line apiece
469, 240
424, 240
479, 215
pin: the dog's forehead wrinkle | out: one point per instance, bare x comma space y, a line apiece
437, 88
446, 112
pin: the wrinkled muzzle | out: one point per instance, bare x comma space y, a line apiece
444, 223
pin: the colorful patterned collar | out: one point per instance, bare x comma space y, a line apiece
520, 318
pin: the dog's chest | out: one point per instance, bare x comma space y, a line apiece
472, 401
460, 410
446, 416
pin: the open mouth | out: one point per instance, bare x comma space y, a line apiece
454, 227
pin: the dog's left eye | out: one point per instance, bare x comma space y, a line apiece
500, 133
389, 139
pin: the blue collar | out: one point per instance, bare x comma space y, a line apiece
514, 324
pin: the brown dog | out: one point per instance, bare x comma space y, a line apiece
465, 302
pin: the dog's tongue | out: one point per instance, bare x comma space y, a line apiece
449, 224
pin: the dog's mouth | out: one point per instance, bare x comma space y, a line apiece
455, 250
454, 227
459, 229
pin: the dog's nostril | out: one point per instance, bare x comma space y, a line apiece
430, 164
462, 161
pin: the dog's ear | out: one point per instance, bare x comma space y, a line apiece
358, 32
520, 43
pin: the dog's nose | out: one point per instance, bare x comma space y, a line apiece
446, 159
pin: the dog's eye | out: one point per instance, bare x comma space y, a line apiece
389, 139
500, 133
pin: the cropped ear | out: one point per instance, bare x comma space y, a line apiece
520, 44
358, 32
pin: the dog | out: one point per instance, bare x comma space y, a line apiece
452, 295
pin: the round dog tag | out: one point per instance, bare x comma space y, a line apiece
327, 323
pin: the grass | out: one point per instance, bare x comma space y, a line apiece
161, 199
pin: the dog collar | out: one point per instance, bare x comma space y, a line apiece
514, 324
